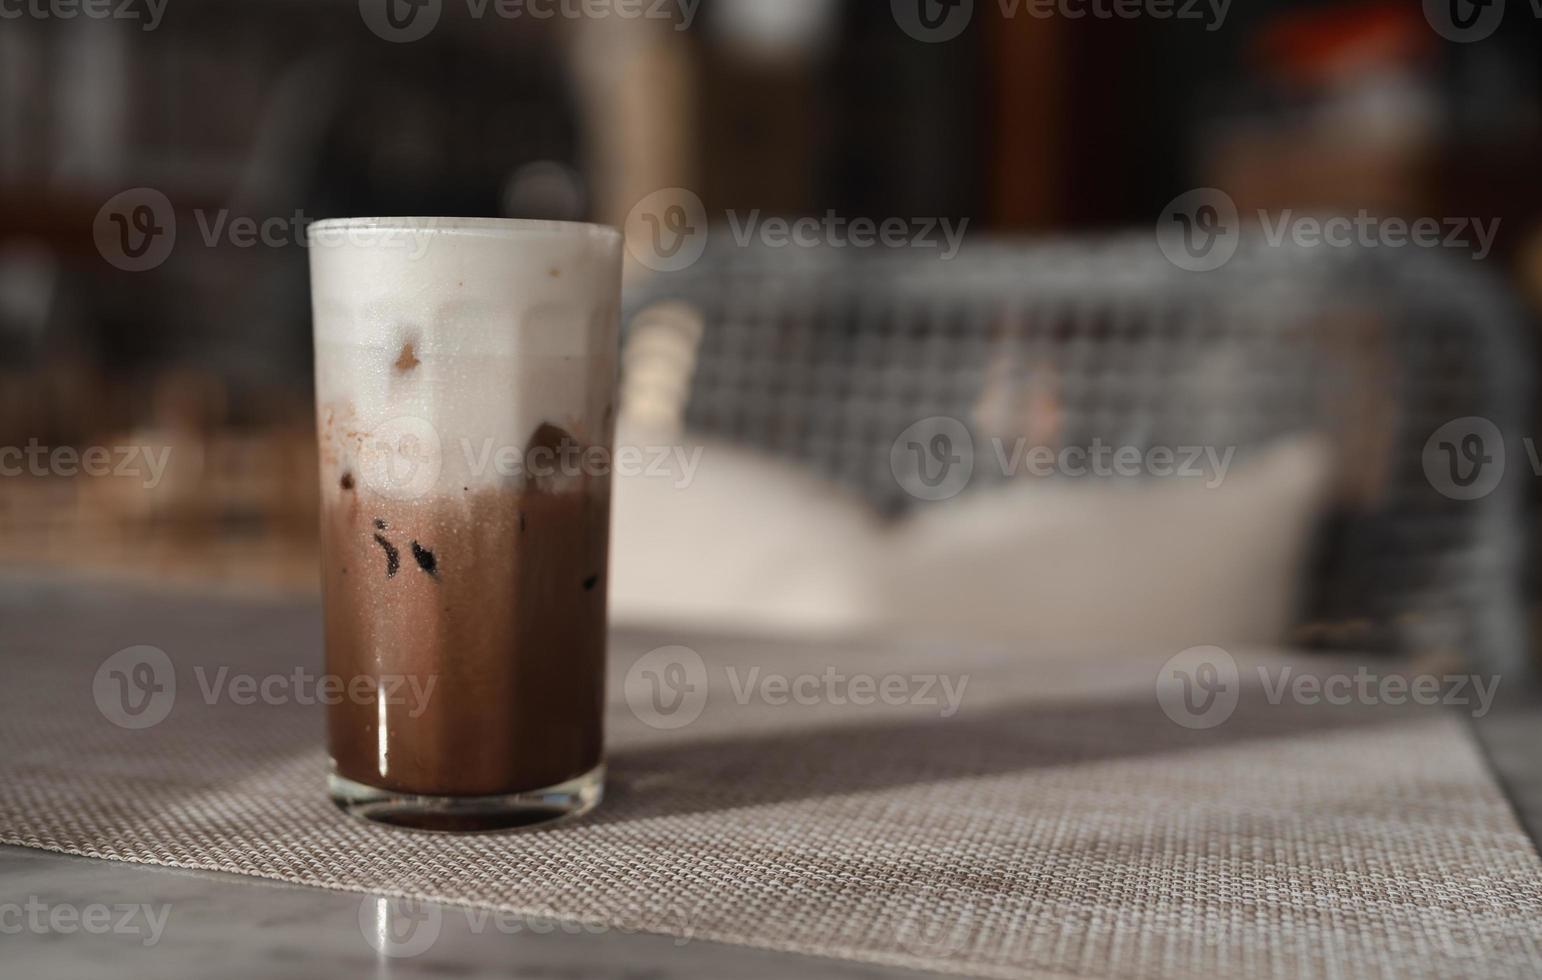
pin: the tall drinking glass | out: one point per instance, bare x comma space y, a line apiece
465, 395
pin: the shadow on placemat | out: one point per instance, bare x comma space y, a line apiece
808, 759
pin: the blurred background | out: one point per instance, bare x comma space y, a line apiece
160, 161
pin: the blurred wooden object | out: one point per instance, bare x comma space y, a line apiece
1027, 176
185, 496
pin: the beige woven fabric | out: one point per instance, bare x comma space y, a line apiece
1059, 824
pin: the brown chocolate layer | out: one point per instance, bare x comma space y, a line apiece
496, 598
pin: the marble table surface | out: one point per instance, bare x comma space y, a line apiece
82, 918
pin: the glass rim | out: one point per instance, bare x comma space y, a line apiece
449, 225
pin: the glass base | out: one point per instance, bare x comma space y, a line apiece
470, 814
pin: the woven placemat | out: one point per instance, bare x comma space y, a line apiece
1058, 823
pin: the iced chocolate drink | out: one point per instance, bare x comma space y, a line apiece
465, 384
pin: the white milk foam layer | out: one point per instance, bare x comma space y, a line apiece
443, 342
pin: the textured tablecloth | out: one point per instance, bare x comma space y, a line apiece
1058, 824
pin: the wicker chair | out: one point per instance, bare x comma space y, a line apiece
825, 356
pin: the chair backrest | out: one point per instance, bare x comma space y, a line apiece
826, 356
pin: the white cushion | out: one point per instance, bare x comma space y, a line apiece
750, 544
743, 544
1097, 565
